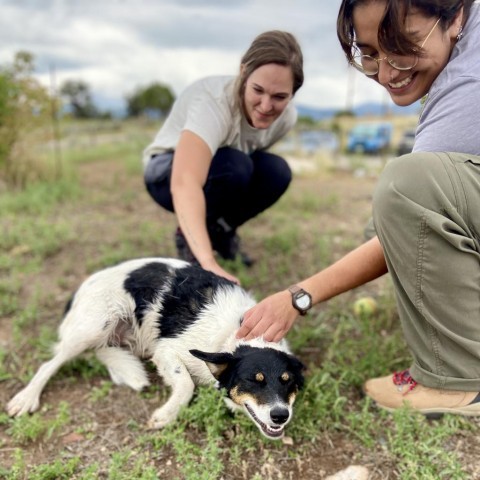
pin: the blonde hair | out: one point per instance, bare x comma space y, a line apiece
274, 46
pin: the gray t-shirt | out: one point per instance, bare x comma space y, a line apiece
207, 108
450, 120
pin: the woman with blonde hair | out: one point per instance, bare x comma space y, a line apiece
209, 162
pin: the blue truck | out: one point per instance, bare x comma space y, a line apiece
370, 138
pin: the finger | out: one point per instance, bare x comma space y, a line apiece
279, 336
261, 329
246, 326
230, 277
243, 331
249, 332
271, 333
252, 317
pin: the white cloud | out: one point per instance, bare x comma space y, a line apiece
118, 45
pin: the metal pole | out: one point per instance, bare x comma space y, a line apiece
55, 124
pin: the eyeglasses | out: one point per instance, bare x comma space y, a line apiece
370, 65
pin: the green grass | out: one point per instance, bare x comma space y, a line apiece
59, 469
340, 349
26, 428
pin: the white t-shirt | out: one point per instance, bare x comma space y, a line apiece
207, 108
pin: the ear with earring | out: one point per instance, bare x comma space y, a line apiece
460, 33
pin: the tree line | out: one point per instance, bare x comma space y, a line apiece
155, 99
27, 107
16, 81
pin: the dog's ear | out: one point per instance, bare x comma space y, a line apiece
297, 364
297, 368
216, 362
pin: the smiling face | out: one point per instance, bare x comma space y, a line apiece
268, 90
405, 87
262, 382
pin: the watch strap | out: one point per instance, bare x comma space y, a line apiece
295, 290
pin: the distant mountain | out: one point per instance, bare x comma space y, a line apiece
117, 107
361, 110
316, 113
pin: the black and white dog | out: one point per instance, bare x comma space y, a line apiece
184, 319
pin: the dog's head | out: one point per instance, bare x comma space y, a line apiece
262, 381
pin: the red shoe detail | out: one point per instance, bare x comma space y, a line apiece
404, 378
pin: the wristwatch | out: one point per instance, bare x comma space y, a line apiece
301, 300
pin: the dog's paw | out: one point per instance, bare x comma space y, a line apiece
22, 403
136, 382
161, 418
124, 367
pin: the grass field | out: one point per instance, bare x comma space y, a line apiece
97, 214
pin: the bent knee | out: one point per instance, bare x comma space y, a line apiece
412, 178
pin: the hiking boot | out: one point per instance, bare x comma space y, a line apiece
399, 389
183, 250
226, 242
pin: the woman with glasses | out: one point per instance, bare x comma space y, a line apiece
209, 162
426, 206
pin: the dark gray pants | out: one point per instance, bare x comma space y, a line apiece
238, 186
426, 209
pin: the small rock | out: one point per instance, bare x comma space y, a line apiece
353, 472
72, 438
20, 250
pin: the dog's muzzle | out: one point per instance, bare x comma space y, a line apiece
279, 415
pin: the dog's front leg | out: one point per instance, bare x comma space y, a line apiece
176, 376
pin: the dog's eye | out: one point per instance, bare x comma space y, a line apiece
287, 378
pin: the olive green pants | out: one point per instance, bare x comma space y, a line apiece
426, 210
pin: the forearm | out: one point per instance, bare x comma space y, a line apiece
274, 316
191, 163
360, 266
190, 208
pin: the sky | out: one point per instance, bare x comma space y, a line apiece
117, 46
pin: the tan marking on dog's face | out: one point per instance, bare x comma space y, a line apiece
216, 369
292, 397
241, 398
285, 376
259, 377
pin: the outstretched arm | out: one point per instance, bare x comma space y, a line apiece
191, 164
274, 316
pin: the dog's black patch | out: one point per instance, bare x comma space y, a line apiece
144, 284
189, 290
192, 289
69, 304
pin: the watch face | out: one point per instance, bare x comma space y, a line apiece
303, 301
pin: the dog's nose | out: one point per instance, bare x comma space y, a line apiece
279, 415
